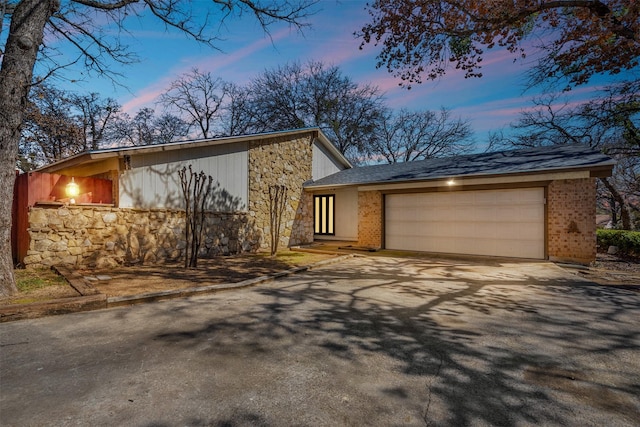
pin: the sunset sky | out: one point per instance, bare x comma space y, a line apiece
490, 103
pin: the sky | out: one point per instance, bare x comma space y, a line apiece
490, 103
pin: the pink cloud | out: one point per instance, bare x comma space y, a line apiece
147, 96
214, 63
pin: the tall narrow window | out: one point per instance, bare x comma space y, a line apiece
324, 209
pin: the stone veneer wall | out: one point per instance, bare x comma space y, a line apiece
571, 223
282, 161
103, 236
370, 218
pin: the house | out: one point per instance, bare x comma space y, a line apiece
144, 220
537, 203
533, 204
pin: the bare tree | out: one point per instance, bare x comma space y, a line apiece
277, 204
296, 96
237, 116
96, 116
169, 128
50, 131
145, 128
86, 26
196, 190
198, 97
58, 124
417, 135
609, 122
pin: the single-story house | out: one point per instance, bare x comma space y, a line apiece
144, 220
533, 203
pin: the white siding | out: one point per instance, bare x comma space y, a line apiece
506, 223
323, 163
153, 181
346, 215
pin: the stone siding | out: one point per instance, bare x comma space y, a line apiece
571, 223
282, 161
370, 226
103, 236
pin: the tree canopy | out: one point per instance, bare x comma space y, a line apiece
406, 136
578, 38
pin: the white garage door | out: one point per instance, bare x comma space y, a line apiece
494, 222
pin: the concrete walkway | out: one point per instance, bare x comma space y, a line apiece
369, 341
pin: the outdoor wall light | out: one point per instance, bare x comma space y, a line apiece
73, 190
451, 182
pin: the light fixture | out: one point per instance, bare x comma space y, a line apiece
73, 190
451, 182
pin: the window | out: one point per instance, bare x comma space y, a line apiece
324, 209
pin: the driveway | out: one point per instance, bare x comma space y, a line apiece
369, 341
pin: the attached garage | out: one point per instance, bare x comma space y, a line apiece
535, 203
506, 222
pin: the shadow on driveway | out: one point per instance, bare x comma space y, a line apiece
520, 343
370, 341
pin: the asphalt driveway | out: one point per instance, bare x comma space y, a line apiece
369, 341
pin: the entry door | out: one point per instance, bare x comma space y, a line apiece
323, 214
507, 223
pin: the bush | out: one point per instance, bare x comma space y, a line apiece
628, 242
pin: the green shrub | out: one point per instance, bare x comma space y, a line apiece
628, 242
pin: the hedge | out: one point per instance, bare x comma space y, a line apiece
628, 242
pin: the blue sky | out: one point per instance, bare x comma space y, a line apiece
490, 103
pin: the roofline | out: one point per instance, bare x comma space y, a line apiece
95, 155
332, 148
599, 171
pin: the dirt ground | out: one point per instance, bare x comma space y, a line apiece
614, 270
141, 279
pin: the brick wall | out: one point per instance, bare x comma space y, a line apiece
571, 209
370, 218
282, 161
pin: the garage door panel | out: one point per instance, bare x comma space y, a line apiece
493, 222
471, 214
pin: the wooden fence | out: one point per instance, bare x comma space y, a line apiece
49, 189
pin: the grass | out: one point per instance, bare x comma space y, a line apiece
34, 279
37, 285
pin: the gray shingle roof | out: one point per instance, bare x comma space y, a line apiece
542, 159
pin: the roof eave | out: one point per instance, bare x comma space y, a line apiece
333, 150
96, 155
600, 171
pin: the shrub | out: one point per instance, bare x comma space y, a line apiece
628, 242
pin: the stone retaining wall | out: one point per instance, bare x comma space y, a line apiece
103, 236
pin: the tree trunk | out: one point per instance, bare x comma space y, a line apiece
624, 210
21, 50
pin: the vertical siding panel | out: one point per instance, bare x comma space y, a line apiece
322, 163
154, 177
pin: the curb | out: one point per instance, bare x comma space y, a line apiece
9, 313
91, 299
